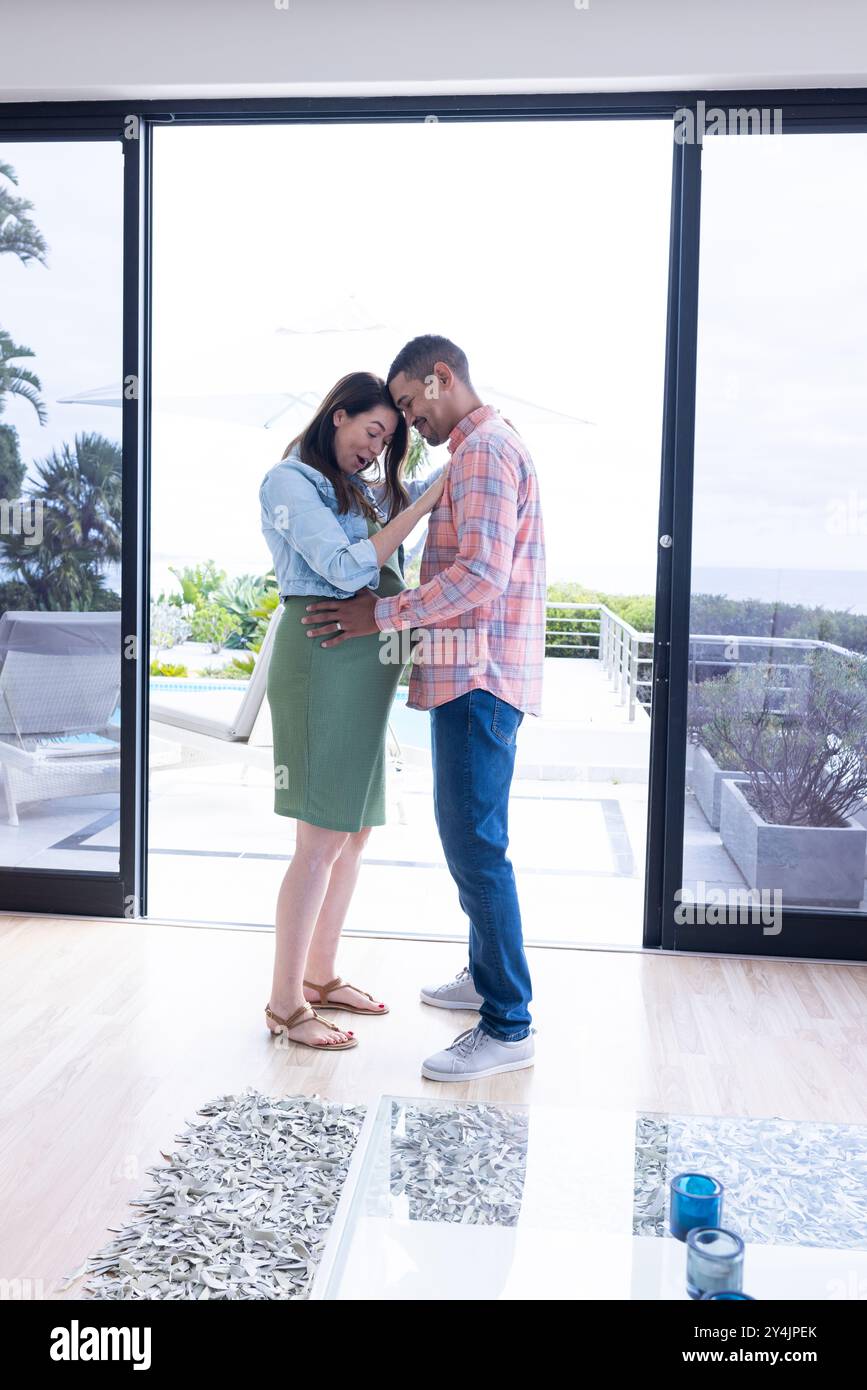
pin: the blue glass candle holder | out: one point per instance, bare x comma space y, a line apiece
730, 1294
714, 1262
696, 1201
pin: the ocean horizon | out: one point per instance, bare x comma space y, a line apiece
841, 590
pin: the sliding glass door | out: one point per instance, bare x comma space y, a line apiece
774, 836
702, 762
562, 315
67, 671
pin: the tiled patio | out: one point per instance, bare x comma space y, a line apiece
577, 825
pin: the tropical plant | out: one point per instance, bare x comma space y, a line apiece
16, 380
16, 596
417, 454
243, 597
165, 668
77, 495
212, 624
263, 615
241, 667
197, 582
12, 470
234, 671
169, 625
19, 234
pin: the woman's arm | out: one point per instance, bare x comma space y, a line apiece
386, 541
293, 506
416, 486
484, 498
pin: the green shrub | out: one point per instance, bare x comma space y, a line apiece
16, 597
197, 582
232, 672
165, 668
212, 624
635, 609
246, 599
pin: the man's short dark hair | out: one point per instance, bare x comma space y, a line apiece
418, 357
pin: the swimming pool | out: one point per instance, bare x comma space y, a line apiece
411, 726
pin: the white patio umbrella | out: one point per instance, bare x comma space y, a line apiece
284, 382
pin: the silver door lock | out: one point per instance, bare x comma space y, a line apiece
665, 541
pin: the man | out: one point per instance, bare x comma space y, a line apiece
481, 604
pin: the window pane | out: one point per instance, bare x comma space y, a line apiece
345, 242
60, 504
777, 772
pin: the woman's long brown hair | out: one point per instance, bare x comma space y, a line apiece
355, 393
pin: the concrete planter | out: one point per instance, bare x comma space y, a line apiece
706, 781
813, 866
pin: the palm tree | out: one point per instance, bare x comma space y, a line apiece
78, 496
19, 236
18, 232
18, 381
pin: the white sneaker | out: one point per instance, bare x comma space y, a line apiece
475, 1053
459, 993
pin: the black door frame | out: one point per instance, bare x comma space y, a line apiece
843, 936
843, 109
85, 892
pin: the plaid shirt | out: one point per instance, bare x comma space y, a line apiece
481, 600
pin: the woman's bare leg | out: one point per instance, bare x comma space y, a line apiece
299, 903
322, 953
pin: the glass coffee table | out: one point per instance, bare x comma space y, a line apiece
481, 1200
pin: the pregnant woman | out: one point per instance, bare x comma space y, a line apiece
330, 708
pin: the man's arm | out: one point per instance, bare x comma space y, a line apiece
483, 485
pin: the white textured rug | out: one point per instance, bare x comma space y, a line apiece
240, 1210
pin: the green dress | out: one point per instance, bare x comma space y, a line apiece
329, 712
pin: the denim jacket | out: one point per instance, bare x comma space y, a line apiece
315, 549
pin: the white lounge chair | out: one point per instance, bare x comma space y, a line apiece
228, 725
219, 726
59, 679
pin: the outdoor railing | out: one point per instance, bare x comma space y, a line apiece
594, 631
624, 652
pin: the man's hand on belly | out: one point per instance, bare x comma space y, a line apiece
354, 615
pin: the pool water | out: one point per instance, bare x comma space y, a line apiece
411, 726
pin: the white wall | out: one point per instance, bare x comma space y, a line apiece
84, 49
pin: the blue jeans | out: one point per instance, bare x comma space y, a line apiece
473, 747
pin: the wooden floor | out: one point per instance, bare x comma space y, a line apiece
113, 1033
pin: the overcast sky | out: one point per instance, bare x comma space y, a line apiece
285, 256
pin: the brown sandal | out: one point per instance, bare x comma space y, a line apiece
325, 990
287, 1023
